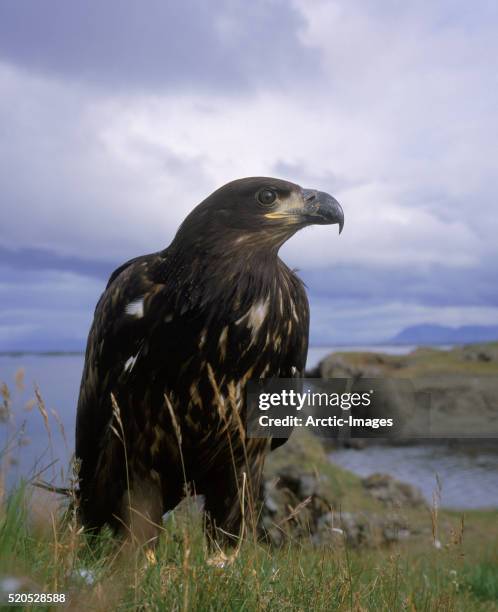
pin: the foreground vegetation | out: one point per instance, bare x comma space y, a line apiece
448, 562
456, 571
462, 575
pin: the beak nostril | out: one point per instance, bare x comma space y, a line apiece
309, 197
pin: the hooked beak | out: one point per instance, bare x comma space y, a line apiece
320, 208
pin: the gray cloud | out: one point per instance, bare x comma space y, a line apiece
433, 286
157, 44
20, 261
299, 172
69, 187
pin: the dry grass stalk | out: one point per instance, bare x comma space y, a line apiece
116, 415
178, 434
436, 501
60, 425
295, 511
186, 570
5, 408
19, 378
43, 411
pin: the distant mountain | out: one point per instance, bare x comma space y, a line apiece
428, 333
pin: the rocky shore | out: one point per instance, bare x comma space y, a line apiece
460, 385
467, 360
305, 496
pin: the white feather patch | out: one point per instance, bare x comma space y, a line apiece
255, 316
136, 308
130, 363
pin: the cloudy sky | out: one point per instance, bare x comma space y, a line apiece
117, 117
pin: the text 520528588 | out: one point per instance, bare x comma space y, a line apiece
19, 599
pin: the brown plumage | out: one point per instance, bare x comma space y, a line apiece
175, 338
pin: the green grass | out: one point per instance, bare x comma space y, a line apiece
426, 361
54, 556
482, 579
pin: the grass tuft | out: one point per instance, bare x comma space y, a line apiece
482, 579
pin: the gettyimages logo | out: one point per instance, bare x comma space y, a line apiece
332, 408
345, 401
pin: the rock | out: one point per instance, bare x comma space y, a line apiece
338, 366
392, 533
294, 505
360, 529
480, 352
302, 484
10, 583
392, 492
270, 504
355, 443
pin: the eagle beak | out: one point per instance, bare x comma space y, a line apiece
320, 208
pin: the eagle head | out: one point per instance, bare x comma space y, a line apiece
262, 212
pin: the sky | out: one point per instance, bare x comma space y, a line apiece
118, 117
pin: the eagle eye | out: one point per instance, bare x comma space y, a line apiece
266, 196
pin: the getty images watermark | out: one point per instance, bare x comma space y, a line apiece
369, 407
308, 401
